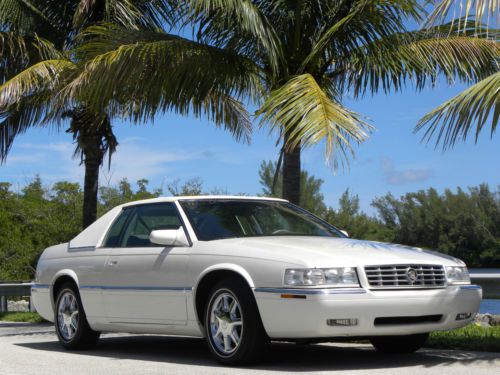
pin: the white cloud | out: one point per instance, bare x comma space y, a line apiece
61, 147
135, 158
24, 159
396, 176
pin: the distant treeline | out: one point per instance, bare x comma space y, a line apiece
465, 224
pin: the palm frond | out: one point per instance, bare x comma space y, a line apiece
29, 99
157, 14
21, 15
354, 24
45, 75
91, 129
29, 18
14, 54
230, 113
462, 11
124, 12
304, 111
419, 57
151, 14
46, 50
326, 36
17, 118
464, 114
150, 72
220, 20
83, 10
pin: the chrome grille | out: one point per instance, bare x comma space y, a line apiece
400, 276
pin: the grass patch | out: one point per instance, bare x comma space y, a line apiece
471, 337
22, 317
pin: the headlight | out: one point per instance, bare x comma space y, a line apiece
457, 275
337, 277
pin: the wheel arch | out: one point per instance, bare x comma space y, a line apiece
211, 276
59, 279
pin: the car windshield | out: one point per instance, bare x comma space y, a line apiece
218, 219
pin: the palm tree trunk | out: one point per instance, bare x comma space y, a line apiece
90, 185
87, 131
291, 173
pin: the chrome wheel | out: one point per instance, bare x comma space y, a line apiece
67, 316
226, 323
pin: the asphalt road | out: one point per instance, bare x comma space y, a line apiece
33, 350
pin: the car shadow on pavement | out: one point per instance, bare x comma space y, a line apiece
280, 356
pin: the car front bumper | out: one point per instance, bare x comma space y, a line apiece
302, 314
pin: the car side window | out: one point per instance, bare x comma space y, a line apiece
113, 236
146, 219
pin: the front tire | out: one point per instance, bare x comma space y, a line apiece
233, 327
399, 344
72, 328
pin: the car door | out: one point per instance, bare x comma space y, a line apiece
143, 282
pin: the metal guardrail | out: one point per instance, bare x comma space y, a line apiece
489, 279
13, 290
485, 273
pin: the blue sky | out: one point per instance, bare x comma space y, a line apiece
174, 147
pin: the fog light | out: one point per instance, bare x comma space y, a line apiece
342, 322
463, 316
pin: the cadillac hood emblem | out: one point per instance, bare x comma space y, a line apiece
411, 275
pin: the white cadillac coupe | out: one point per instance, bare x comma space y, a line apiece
240, 272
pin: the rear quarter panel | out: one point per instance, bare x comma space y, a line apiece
84, 267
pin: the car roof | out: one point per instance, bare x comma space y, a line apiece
203, 197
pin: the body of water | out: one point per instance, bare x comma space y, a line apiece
491, 306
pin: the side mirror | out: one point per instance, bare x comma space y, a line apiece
344, 232
169, 237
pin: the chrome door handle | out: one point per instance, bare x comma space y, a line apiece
112, 263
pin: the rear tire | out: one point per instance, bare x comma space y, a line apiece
233, 327
399, 344
72, 327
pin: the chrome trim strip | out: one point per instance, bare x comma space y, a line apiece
154, 323
406, 287
311, 291
470, 287
81, 248
142, 288
40, 286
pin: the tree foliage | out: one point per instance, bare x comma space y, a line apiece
465, 223
311, 197
38, 217
349, 217
33, 219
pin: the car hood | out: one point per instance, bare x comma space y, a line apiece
328, 251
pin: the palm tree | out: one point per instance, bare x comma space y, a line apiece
45, 33
473, 109
307, 55
35, 77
